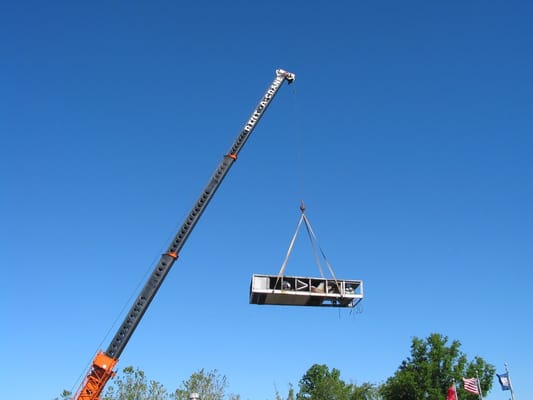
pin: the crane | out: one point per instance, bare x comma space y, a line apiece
102, 368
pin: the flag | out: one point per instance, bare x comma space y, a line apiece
504, 381
452, 394
471, 385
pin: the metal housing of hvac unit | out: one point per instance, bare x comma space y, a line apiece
302, 291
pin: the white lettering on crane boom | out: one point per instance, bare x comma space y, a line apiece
263, 103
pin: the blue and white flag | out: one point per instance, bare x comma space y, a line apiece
504, 381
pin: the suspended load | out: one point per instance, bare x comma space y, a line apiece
302, 291
305, 291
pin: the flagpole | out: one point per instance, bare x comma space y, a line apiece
510, 383
479, 387
451, 393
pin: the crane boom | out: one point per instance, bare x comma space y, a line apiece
102, 368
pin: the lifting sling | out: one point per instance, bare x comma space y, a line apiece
314, 244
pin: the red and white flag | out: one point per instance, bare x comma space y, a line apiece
471, 385
452, 394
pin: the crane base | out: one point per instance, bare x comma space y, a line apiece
305, 291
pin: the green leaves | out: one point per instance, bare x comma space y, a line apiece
434, 365
209, 385
319, 383
133, 385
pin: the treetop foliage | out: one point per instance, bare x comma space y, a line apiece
434, 364
209, 385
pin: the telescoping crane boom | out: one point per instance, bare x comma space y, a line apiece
103, 365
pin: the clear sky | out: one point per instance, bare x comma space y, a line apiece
408, 133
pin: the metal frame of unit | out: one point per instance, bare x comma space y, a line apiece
305, 291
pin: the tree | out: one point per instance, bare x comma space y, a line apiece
210, 386
367, 391
479, 369
133, 385
432, 368
319, 383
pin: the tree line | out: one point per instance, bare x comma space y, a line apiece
434, 365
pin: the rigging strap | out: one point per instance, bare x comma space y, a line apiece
314, 244
289, 251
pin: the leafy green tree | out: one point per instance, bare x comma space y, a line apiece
478, 368
319, 383
209, 385
132, 384
367, 391
434, 365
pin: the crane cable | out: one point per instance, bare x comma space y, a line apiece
303, 218
298, 144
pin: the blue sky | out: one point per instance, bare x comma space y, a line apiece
408, 133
